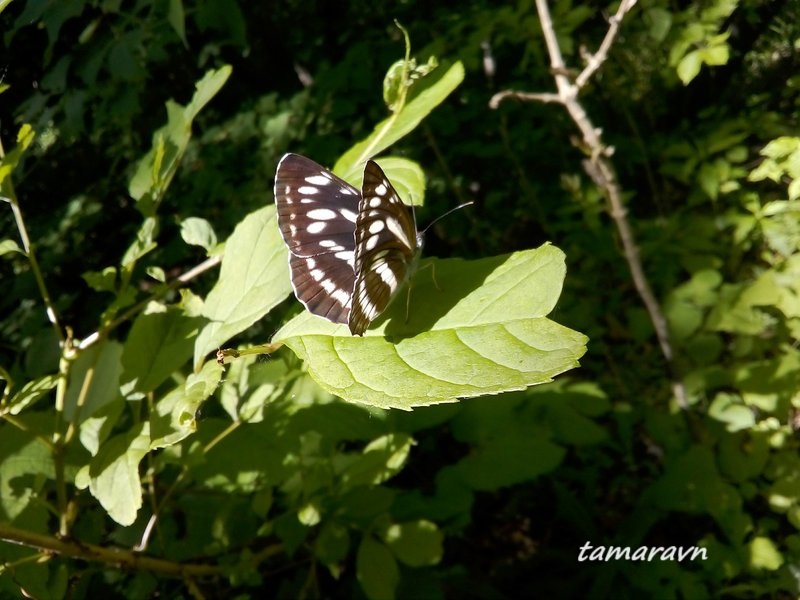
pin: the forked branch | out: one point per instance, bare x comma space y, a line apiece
599, 166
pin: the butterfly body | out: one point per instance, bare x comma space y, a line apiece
349, 250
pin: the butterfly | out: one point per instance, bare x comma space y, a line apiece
349, 250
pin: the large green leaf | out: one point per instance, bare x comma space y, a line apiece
376, 570
113, 475
93, 400
253, 279
473, 328
159, 343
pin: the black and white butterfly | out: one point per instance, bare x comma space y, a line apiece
349, 251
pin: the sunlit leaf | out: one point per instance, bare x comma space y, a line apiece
483, 331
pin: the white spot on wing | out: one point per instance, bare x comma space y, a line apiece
376, 227
397, 231
341, 296
321, 214
308, 190
381, 189
348, 214
345, 255
317, 274
316, 227
321, 179
371, 243
375, 202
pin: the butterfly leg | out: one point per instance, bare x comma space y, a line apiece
432, 266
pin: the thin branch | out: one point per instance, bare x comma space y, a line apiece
600, 168
495, 100
121, 557
184, 278
599, 57
30, 253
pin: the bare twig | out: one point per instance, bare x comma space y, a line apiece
599, 57
599, 166
30, 253
184, 278
495, 101
121, 557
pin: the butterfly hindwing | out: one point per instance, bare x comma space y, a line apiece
386, 245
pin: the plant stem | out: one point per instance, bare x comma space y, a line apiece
600, 168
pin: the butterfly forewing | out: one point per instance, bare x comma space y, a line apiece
317, 213
386, 246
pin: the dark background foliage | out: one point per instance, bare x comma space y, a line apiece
92, 78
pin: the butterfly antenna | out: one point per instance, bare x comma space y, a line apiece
442, 216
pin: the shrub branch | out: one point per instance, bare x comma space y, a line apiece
599, 166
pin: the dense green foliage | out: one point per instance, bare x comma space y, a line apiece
132, 464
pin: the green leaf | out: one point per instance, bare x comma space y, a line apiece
376, 570
205, 89
102, 281
689, 66
483, 331
309, 514
363, 506
509, 458
31, 392
402, 74
793, 191
177, 20
156, 169
159, 343
692, 483
143, 244
174, 417
730, 410
406, 176
383, 458
659, 22
716, 55
4, 4
198, 232
26, 464
764, 554
9, 246
388, 131
114, 474
9, 161
332, 545
156, 273
416, 543
93, 400
254, 278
